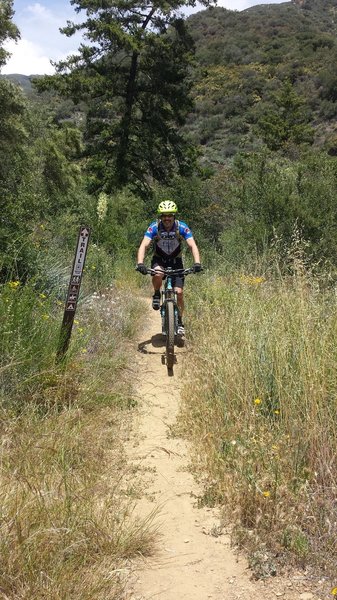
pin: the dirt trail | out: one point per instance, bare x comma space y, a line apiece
194, 560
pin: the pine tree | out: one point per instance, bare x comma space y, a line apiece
133, 73
7, 28
286, 120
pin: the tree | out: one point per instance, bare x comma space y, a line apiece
39, 174
286, 121
7, 28
13, 137
133, 73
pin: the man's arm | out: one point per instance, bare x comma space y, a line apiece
194, 249
142, 249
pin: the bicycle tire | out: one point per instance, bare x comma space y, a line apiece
169, 334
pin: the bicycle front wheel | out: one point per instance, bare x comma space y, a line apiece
169, 334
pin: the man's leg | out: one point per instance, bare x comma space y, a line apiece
157, 279
156, 282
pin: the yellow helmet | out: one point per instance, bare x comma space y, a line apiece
167, 207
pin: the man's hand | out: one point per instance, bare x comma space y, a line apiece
197, 267
141, 268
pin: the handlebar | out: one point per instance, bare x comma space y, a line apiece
172, 272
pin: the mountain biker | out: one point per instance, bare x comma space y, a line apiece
167, 234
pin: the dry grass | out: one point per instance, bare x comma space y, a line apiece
261, 408
67, 528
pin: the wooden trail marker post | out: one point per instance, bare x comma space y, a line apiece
73, 291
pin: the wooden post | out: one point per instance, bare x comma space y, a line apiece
73, 291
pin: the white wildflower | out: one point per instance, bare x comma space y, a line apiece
102, 206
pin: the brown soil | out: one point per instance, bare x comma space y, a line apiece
194, 559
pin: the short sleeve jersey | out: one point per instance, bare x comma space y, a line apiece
184, 230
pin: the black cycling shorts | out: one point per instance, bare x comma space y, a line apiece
174, 263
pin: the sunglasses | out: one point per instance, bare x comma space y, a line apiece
166, 215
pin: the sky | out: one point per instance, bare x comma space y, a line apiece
41, 41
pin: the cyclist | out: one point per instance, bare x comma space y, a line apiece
167, 234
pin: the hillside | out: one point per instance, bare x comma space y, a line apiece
244, 59
24, 81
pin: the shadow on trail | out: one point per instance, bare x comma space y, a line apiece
157, 341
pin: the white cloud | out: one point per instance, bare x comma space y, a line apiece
27, 59
38, 9
42, 25
41, 40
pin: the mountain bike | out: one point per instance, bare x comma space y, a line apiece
169, 309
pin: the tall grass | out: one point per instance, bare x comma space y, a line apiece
29, 330
261, 408
66, 504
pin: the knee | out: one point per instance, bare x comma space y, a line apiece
179, 293
158, 277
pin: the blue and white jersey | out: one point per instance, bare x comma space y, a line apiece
184, 230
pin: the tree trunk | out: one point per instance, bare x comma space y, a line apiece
125, 125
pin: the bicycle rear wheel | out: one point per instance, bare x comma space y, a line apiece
169, 313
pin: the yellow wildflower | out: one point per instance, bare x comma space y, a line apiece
276, 412
266, 494
43, 296
256, 280
14, 284
257, 401
45, 317
334, 591
84, 350
251, 280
